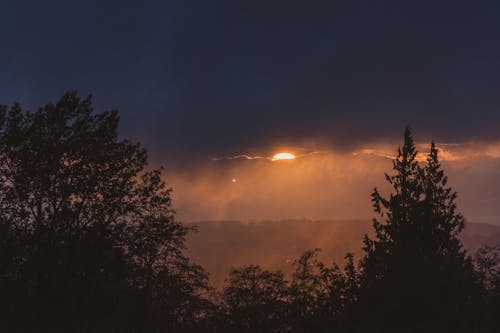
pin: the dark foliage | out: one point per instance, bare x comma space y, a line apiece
415, 267
88, 238
488, 266
256, 300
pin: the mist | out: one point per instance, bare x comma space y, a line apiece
324, 183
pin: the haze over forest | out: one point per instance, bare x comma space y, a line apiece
174, 166
221, 246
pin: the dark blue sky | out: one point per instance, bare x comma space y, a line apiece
209, 78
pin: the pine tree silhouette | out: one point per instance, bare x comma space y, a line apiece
415, 271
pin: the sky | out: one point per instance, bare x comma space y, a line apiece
334, 82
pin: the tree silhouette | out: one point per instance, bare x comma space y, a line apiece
320, 295
488, 266
415, 268
256, 300
315, 299
174, 288
88, 236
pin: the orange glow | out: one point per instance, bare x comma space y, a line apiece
283, 156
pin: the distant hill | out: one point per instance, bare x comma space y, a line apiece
218, 246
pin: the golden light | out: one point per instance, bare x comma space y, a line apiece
283, 156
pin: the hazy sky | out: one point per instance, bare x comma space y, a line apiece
201, 79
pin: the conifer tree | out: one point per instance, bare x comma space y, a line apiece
400, 211
440, 219
414, 265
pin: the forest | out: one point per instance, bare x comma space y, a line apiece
89, 242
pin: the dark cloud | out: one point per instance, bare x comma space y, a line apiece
197, 80
205, 78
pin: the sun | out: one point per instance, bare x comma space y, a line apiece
283, 156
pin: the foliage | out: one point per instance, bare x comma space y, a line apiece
88, 237
487, 262
256, 300
415, 266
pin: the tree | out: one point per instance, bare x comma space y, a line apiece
415, 268
320, 295
256, 300
487, 262
87, 233
175, 290
440, 223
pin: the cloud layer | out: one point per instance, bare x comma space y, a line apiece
327, 184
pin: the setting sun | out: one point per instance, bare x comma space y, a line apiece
283, 156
